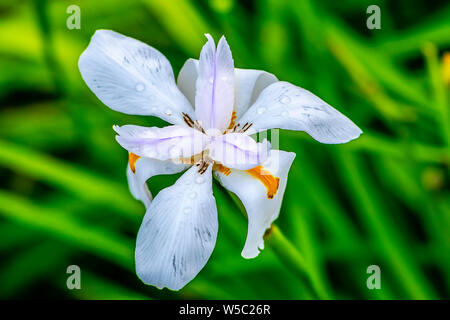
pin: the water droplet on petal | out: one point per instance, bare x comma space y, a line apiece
140, 87
152, 98
284, 113
168, 112
192, 195
261, 110
199, 180
154, 109
211, 80
285, 99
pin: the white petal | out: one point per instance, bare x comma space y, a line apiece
178, 233
248, 84
261, 211
145, 168
187, 77
214, 96
131, 77
171, 142
285, 106
237, 150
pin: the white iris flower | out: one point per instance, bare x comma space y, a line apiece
213, 109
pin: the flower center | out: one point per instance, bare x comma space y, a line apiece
213, 133
203, 161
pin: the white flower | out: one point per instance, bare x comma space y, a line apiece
179, 230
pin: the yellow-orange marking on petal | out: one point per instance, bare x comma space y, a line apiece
267, 179
132, 158
221, 168
232, 121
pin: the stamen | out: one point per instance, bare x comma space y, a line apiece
267, 179
188, 120
198, 126
204, 162
203, 167
191, 123
246, 127
249, 125
132, 158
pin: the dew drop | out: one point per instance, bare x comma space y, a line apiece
211, 80
140, 87
199, 180
152, 98
285, 99
154, 109
192, 195
261, 110
284, 113
168, 112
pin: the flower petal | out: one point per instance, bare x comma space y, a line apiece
178, 233
145, 168
261, 210
187, 78
248, 84
214, 96
237, 150
132, 77
171, 142
285, 106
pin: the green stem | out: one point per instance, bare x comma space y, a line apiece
293, 259
288, 254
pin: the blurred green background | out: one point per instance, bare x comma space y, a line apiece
383, 199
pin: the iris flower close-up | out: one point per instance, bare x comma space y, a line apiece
213, 108
233, 158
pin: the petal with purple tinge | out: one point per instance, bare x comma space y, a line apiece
171, 142
214, 97
248, 84
237, 150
